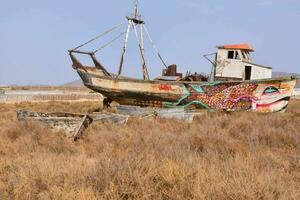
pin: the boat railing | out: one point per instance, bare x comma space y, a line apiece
78, 65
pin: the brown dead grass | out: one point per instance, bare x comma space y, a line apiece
219, 156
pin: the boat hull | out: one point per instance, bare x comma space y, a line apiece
268, 95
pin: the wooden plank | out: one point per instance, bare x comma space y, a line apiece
85, 123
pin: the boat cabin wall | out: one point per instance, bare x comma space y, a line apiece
229, 71
233, 64
233, 54
238, 70
258, 72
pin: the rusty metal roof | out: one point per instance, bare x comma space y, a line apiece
237, 46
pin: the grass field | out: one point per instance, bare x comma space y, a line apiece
219, 156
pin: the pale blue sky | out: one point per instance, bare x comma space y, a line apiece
36, 34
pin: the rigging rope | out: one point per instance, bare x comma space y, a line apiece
155, 48
97, 37
110, 42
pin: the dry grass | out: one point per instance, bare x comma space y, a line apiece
219, 156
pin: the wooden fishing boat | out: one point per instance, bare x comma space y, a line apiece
70, 123
265, 95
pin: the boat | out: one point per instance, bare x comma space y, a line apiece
72, 124
172, 90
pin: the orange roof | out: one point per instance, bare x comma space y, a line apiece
237, 46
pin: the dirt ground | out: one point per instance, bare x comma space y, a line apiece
219, 156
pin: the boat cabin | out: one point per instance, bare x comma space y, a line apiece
234, 62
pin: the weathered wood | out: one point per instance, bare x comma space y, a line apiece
66, 122
176, 113
73, 125
267, 95
85, 123
170, 113
135, 111
110, 118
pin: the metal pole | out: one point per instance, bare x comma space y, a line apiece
124, 48
143, 50
136, 9
213, 68
144, 67
142, 39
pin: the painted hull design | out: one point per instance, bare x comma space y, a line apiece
269, 95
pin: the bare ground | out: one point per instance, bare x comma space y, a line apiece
219, 156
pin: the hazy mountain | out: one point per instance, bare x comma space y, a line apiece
77, 83
281, 74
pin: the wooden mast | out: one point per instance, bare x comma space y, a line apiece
136, 3
141, 43
135, 20
124, 48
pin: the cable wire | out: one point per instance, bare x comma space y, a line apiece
154, 47
109, 43
99, 36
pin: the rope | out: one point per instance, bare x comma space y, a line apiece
155, 48
109, 43
97, 37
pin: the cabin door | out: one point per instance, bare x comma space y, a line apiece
248, 71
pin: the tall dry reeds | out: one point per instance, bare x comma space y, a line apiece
219, 156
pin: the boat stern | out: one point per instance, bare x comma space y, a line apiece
86, 72
274, 96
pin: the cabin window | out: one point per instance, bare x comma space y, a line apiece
244, 55
249, 56
230, 54
237, 55
234, 55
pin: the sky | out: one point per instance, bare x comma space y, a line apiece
35, 35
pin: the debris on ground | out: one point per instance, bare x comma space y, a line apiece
169, 113
74, 125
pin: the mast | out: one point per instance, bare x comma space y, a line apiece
133, 21
145, 69
138, 21
124, 48
141, 41
136, 4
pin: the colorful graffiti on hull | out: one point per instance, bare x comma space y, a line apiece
230, 96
